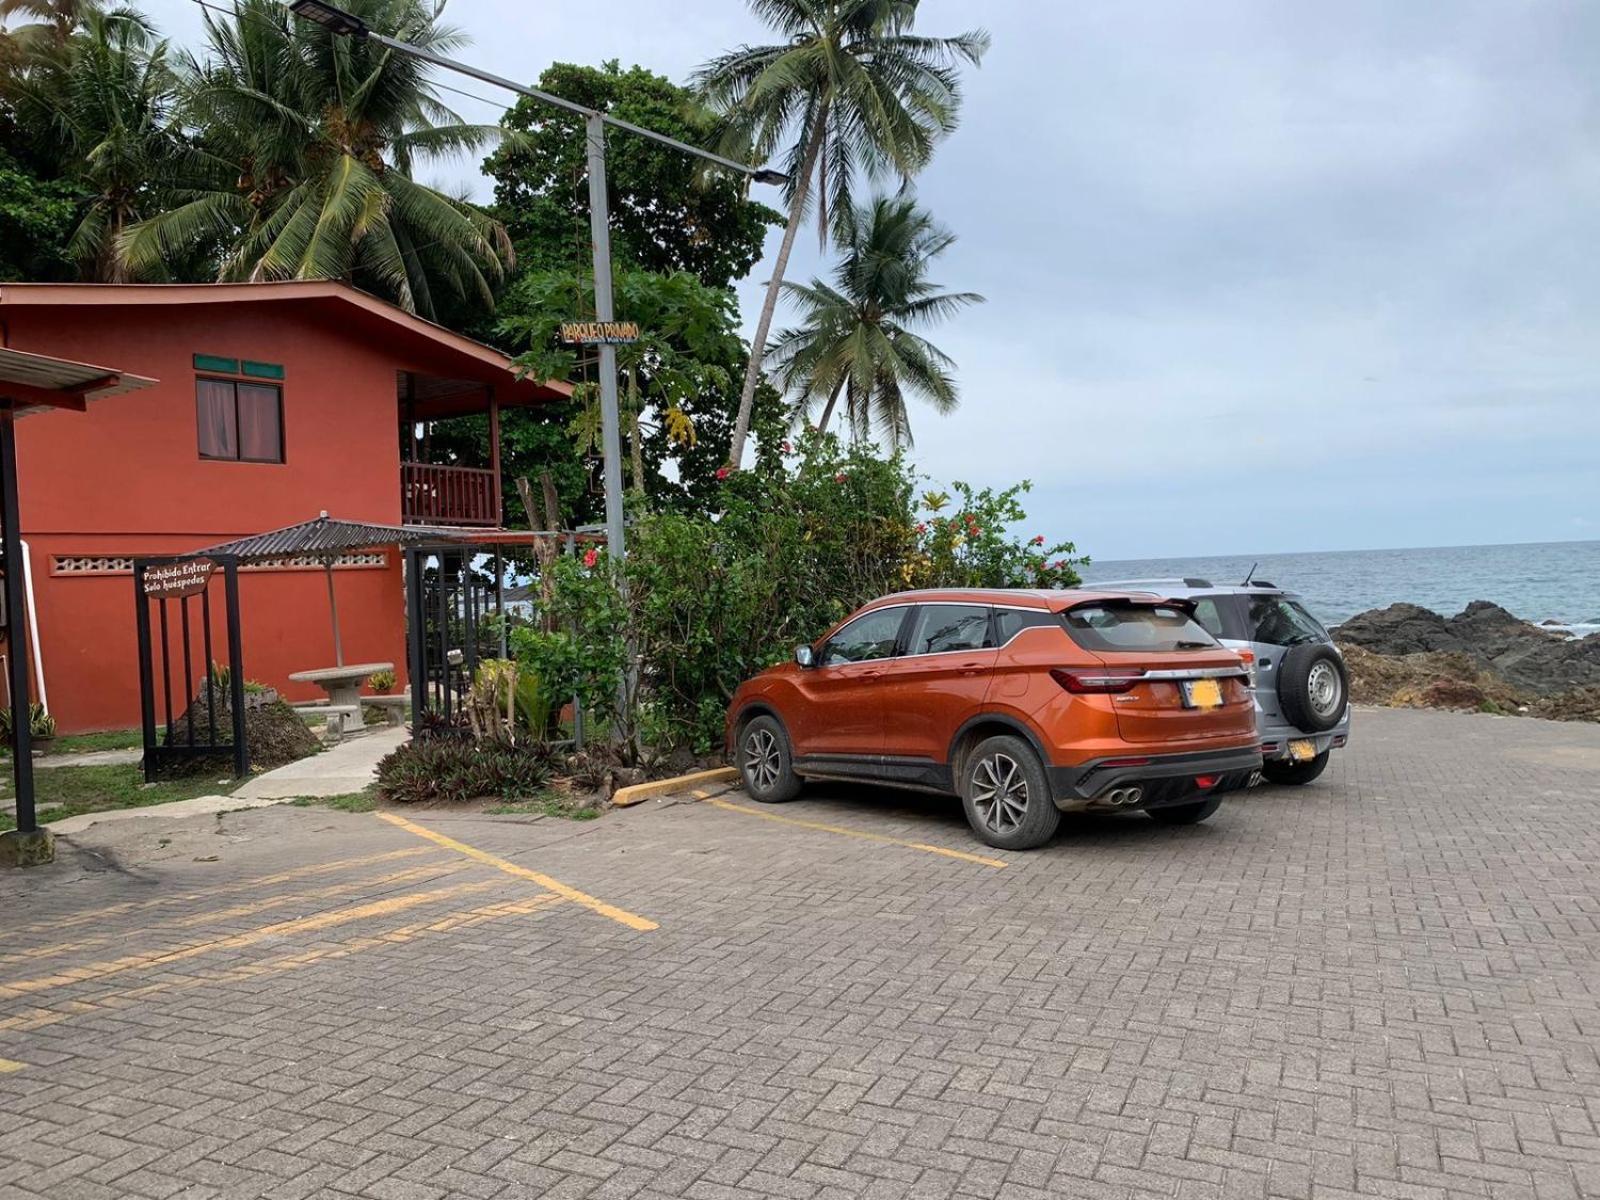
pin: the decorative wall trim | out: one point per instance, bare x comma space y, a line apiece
90, 565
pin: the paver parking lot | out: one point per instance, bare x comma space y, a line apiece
1385, 984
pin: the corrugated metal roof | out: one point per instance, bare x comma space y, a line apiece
65, 375
326, 537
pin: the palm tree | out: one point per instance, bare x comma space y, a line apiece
102, 100
851, 90
53, 21
308, 143
857, 338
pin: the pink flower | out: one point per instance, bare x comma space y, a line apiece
1037, 541
840, 477
788, 446
1059, 564
922, 527
590, 557
722, 473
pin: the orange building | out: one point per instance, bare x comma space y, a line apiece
274, 402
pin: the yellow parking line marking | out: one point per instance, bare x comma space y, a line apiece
217, 916
162, 958
620, 915
98, 914
7, 1066
37, 1018
855, 833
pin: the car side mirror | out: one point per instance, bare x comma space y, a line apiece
803, 656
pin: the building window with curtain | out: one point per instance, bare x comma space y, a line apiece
239, 421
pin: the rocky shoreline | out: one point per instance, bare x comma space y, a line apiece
1483, 659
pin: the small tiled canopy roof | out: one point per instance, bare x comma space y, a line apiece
325, 537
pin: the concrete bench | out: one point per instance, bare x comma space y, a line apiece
394, 707
341, 717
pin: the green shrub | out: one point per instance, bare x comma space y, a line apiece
450, 770
382, 682
794, 546
585, 654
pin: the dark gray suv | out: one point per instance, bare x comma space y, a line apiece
1302, 689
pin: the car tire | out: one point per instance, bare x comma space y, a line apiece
1186, 814
765, 762
1294, 773
1313, 686
1006, 795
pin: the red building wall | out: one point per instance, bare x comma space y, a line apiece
126, 478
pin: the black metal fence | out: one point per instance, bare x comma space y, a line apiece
454, 620
191, 708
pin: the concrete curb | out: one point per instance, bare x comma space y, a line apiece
660, 787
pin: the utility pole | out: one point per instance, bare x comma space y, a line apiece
345, 24
594, 132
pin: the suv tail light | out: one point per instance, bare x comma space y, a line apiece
1248, 657
1095, 682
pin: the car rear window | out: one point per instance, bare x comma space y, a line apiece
1123, 627
1280, 621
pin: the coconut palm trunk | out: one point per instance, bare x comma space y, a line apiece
758, 346
827, 410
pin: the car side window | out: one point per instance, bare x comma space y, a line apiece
941, 628
1008, 622
1209, 614
870, 636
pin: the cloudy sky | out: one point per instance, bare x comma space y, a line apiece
1261, 277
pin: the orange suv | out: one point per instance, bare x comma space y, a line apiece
1025, 704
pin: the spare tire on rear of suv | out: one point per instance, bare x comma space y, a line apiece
1313, 686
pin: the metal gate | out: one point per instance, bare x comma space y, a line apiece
192, 704
451, 606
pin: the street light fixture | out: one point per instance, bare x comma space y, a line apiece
334, 20
341, 23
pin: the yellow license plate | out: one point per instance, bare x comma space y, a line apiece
1204, 693
1302, 750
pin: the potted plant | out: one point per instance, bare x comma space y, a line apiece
381, 682
41, 727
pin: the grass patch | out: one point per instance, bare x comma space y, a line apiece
111, 739
551, 804
79, 790
352, 802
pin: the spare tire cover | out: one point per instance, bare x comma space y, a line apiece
1313, 686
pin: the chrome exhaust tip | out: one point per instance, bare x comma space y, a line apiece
1134, 795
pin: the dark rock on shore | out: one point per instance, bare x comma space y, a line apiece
1533, 660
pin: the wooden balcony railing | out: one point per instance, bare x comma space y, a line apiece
435, 495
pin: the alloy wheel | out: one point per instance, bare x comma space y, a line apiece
999, 792
761, 760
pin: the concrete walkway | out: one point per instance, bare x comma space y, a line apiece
88, 758
348, 767
337, 771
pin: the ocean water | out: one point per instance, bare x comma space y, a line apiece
1539, 581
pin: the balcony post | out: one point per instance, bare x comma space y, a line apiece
494, 454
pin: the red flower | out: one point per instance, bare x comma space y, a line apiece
974, 530
722, 473
590, 557
840, 477
788, 446
1037, 541
922, 527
